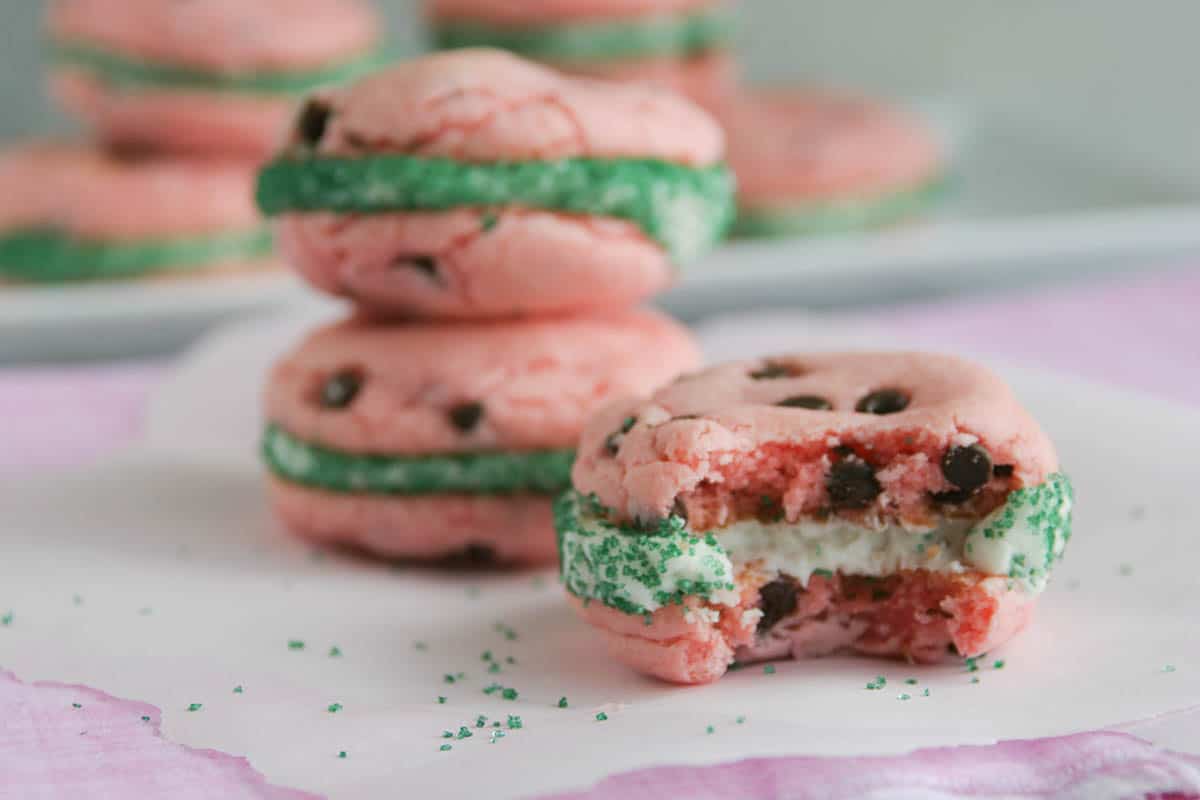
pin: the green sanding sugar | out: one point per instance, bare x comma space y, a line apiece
562, 702
911, 681
998, 664
335, 652
486, 656
334, 708
710, 730
509, 694
46, 255
454, 677
840, 215
6, 619
877, 684
446, 747
420, 646
464, 733
341, 753
601, 717
655, 35
481, 721
514, 722
238, 690
925, 693
904, 696
145, 718
441, 700
306, 464
1168, 668
77, 705
195, 706
740, 720
506, 631
494, 668
496, 736
295, 644
131, 74
632, 570
769, 669
686, 209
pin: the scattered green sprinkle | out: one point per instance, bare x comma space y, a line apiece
972, 664
496, 724
509, 694
341, 753
195, 706
710, 730
441, 700
769, 669
1168, 668
464, 733
486, 656
494, 668
491, 688
295, 644
998, 663
601, 717
334, 708
335, 652
925, 693
145, 719
514, 722
239, 689
904, 696
975, 679
877, 684
562, 701
447, 734
510, 660
6, 619
740, 720
446, 747
496, 736
420, 646
453, 677
76, 705
911, 681
481, 721
509, 633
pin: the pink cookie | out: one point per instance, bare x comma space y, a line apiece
680, 45
206, 76
887, 504
432, 440
816, 162
71, 212
494, 199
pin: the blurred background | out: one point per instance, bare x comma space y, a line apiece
1100, 78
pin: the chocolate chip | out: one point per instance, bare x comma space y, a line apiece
968, 467
809, 401
612, 442
341, 388
423, 264
777, 600
679, 509
777, 369
852, 485
313, 121
1003, 470
883, 401
466, 417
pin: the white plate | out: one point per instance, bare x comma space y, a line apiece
187, 589
130, 318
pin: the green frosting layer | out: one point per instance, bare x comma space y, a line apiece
131, 73
632, 570
1025, 537
687, 210
638, 571
297, 461
681, 35
841, 216
49, 256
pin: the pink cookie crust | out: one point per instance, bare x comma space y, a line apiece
922, 615
516, 530
94, 195
189, 123
790, 146
523, 13
707, 80
226, 36
487, 105
476, 264
537, 380
741, 445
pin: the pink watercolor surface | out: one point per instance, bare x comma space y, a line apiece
59, 741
